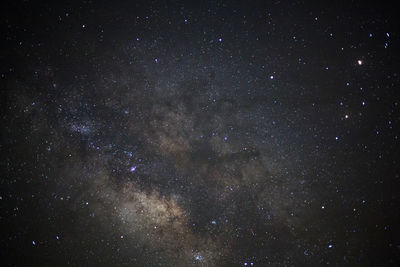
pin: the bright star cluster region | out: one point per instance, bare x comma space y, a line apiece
199, 133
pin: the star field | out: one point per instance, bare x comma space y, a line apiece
199, 133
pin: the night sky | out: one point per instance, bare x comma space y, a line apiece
199, 133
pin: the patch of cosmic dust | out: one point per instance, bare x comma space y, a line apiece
196, 152
155, 221
232, 168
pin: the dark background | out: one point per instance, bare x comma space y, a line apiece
254, 134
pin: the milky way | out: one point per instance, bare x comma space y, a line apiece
188, 134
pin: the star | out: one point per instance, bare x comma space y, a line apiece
132, 168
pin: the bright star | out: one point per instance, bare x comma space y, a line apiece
132, 169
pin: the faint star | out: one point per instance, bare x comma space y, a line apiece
198, 257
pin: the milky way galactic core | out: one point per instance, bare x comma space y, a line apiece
199, 133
